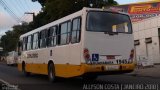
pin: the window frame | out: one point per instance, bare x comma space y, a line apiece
136, 42
31, 42
131, 32
40, 38
24, 43
148, 40
55, 36
80, 31
36, 41
68, 33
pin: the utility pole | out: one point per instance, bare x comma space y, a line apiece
31, 13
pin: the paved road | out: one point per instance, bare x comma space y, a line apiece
11, 75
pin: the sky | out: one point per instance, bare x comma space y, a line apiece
17, 8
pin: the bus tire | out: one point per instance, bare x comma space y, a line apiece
51, 72
24, 70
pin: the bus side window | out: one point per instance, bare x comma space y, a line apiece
42, 39
55, 36
35, 41
24, 43
65, 29
76, 30
69, 32
58, 35
49, 38
52, 36
29, 42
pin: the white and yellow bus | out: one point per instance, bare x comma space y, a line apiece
87, 43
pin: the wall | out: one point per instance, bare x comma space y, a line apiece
145, 29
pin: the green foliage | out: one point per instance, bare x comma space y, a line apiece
55, 9
10, 40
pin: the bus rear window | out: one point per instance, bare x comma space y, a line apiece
99, 21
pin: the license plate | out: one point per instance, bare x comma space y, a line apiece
112, 67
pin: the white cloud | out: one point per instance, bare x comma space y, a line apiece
6, 23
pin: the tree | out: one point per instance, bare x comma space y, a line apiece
10, 40
55, 9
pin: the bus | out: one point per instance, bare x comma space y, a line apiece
87, 43
12, 58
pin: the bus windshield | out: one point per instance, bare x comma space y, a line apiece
99, 21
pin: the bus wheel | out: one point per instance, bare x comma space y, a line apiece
89, 77
51, 73
24, 70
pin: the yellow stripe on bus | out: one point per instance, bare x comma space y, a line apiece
67, 70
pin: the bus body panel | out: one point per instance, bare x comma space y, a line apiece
107, 45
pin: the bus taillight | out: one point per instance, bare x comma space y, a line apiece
86, 54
